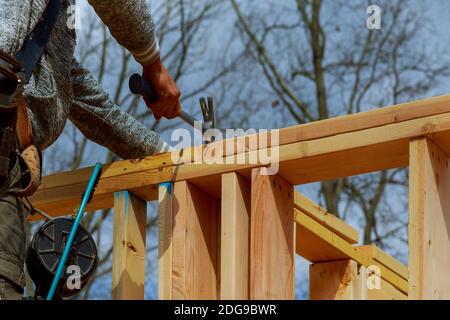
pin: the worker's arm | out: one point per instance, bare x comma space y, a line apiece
18, 19
131, 24
103, 122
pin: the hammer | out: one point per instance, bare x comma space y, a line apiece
139, 86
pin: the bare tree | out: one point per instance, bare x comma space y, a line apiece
320, 60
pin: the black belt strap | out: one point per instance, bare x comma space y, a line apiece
33, 47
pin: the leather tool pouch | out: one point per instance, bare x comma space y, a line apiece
15, 126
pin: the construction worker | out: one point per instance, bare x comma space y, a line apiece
60, 89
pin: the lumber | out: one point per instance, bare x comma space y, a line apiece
336, 280
316, 243
351, 123
235, 233
351, 153
429, 225
346, 280
388, 261
368, 119
165, 229
271, 237
326, 218
128, 261
195, 244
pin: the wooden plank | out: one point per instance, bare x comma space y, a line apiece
386, 292
382, 257
346, 280
271, 237
326, 218
353, 122
235, 231
351, 153
316, 243
429, 225
195, 256
377, 288
336, 280
129, 250
367, 150
368, 119
165, 229
311, 245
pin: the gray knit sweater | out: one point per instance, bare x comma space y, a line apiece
62, 89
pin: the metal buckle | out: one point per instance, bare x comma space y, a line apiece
12, 81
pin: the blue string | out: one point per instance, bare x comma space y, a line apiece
73, 232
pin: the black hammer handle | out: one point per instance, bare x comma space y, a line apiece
139, 86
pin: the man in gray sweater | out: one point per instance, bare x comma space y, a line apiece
62, 89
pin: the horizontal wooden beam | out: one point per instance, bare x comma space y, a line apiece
382, 257
357, 121
346, 280
326, 218
355, 147
317, 243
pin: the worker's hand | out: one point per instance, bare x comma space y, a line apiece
168, 103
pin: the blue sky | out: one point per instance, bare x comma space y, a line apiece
439, 13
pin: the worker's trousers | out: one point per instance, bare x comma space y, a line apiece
12, 239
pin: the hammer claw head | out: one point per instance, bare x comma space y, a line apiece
208, 111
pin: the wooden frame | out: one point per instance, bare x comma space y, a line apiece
347, 280
235, 237
271, 237
218, 223
189, 265
429, 225
130, 221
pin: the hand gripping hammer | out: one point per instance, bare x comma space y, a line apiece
139, 86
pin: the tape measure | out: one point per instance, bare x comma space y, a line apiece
45, 252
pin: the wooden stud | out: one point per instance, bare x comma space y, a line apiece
165, 224
235, 240
346, 280
195, 241
316, 243
336, 280
271, 237
429, 224
129, 250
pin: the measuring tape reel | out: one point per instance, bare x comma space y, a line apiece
46, 249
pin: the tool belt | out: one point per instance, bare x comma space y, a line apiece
14, 73
16, 135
